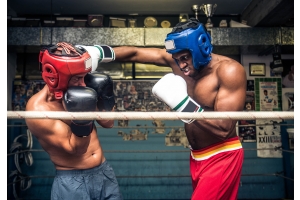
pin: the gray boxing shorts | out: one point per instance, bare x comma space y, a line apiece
98, 183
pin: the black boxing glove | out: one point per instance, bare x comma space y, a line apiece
80, 99
103, 85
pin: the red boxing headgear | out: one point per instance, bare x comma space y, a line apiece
60, 62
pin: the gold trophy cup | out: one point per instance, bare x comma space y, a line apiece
196, 9
209, 10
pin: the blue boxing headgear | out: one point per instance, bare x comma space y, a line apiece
195, 39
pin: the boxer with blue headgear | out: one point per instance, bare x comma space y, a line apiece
201, 81
191, 36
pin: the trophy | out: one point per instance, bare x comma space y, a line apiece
196, 9
209, 10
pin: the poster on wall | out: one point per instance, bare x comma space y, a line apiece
250, 101
268, 94
246, 132
129, 95
268, 138
137, 96
23, 91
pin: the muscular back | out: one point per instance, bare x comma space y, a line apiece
66, 150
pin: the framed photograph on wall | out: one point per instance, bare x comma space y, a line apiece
250, 101
257, 69
268, 94
247, 133
250, 85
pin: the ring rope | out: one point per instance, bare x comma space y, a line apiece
161, 127
150, 115
278, 174
158, 151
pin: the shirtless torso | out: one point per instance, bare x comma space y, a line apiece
215, 88
65, 150
82, 171
215, 83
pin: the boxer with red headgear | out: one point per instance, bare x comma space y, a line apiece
73, 145
59, 63
201, 81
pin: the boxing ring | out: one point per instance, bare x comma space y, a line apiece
149, 115
23, 153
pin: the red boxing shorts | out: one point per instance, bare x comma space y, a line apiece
216, 170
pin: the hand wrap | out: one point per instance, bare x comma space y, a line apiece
99, 54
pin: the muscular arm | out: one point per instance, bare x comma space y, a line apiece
230, 96
144, 55
54, 135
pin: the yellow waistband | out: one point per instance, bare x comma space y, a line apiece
206, 153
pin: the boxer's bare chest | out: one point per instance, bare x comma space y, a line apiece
204, 91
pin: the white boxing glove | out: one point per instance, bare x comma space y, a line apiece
172, 90
99, 53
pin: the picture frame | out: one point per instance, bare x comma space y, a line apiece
268, 94
257, 69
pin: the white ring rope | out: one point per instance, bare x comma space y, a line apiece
279, 148
150, 115
278, 174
